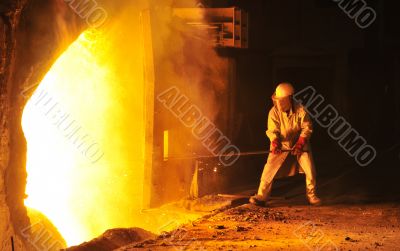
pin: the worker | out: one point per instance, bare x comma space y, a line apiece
289, 130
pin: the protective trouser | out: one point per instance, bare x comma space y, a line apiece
274, 163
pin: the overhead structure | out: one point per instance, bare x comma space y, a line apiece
228, 26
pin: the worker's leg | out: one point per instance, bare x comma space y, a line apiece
272, 166
307, 164
264, 190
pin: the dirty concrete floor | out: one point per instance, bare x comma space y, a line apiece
361, 211
282, 227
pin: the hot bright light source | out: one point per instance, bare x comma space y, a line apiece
85, 138
85, 129
166, 145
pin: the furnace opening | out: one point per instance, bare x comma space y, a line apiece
95, 129
85, 137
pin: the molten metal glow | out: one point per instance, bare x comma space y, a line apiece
84, 130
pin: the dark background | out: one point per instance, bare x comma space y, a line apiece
314, 42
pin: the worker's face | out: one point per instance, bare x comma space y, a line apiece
283, 104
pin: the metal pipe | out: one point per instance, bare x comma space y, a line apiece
178, 157
12, 243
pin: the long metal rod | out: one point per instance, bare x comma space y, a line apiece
177, 157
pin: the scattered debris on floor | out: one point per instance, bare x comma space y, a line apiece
347, 227
114, 238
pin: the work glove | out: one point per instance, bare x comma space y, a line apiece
298, 147
276, 146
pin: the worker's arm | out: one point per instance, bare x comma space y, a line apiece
273, 131
306, 126
305, 134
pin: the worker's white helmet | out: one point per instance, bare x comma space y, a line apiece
284, 90
282, 97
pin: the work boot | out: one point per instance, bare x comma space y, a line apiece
312, 196
255, 200
314, 200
